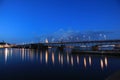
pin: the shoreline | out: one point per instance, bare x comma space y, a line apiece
114, 53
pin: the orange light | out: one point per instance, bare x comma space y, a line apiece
78, 59
85, 62
46, 56
90, 61
101, 63
106, 61
53, 58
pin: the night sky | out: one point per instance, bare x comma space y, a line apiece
23, 20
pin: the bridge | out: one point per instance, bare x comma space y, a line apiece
81, 44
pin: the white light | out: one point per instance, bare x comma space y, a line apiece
46, 41
101, 63
6, 54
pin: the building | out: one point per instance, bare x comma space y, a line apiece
4, 45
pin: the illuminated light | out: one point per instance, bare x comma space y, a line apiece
1, 46
49, 47
90, 61
106, 61
101, 64
85, 62
23, 52
53, 58
77, 59
72, 60
41, 56
46, 56
67, 58
46, 41
6, 54
6, 45
31, 54
11, 52
62, 59
59, 57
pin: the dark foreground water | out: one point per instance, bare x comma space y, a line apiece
52, 64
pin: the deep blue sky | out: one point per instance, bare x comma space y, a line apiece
22, 20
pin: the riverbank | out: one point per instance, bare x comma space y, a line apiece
114, 53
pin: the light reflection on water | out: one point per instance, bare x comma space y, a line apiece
58, 58
55, 58
46, 56
101, 63
7, 53
90, 61
85, 62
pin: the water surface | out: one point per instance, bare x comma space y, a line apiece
53, 64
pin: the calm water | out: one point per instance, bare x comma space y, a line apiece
52, 64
